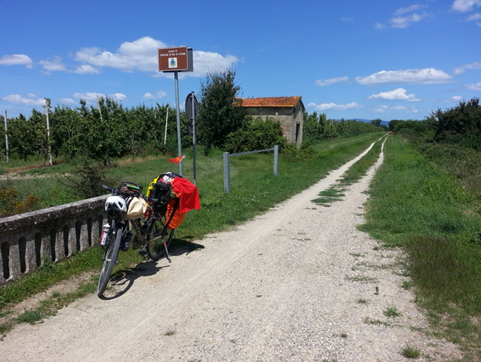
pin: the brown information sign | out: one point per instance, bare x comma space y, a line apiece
173, 59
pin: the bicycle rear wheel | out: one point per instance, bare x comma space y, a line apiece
110, 258
158, 238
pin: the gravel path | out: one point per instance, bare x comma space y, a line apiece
299, 283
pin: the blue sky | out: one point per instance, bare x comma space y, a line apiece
347, 58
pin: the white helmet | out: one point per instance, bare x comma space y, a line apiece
116, 207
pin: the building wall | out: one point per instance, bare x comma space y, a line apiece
291, 119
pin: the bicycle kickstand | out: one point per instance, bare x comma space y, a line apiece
167, 255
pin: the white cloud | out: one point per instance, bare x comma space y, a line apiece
331, 81
53, 64
15, 60
17, 99
157, 95
471, 66
464, 6
205, 62
405, 21
404, 17
333, 106
91, 97
387, 109
474, 86
455, 99
118, 97
67, 101
475, 16
138, 55
142, 55
415, 76
86, 69
397, 94
409, 9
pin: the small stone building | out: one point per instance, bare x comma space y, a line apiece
288, 110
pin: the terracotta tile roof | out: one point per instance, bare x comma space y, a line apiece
288, 101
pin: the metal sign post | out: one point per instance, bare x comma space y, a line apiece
6, 137
179, 143
192, 110
176, 60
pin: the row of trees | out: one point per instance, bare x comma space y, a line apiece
317, 128
460, 125
100, 133
109, 130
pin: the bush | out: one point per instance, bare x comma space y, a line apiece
87, 180
10, 204
256, 134
460, 125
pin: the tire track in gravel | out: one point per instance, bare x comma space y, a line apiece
284, 286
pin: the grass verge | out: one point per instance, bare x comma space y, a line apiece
424, 209
351, 176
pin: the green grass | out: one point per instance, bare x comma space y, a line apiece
411, 352
351, 176
424, 209
330, 195
360, 168
49, 274
391, 312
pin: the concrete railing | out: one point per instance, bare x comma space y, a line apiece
49, 235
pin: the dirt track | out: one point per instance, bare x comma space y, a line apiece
299, 283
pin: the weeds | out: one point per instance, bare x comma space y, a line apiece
362, 279
391, 312
370, 321
411, 352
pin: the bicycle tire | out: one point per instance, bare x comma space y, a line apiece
110, 258
156, 237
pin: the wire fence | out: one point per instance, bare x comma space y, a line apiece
226, 156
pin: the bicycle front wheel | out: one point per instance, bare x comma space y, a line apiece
110, 258
158, 238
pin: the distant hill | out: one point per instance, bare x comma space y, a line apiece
369, 121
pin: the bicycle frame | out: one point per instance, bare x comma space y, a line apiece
149, 231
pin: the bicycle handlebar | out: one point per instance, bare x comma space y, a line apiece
115, 190
108, 188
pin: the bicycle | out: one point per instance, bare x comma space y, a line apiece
153, 234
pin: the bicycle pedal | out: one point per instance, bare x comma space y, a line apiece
142, 252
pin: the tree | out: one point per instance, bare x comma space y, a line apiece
65, 126
376, 122
219, 115
104, 131
460, 125
254, 135
26, 136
